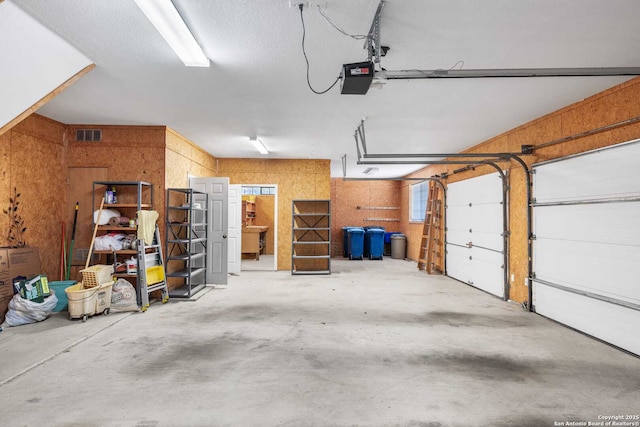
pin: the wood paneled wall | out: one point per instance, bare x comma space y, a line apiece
360, 203
265, 215
296, 179
183, 158
614, 105
33, 159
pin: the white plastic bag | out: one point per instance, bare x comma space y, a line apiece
123, 297
22, 311
109, 242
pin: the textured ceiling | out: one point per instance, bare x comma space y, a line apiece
257, 80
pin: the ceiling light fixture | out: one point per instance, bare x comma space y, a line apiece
370, 171
259, 145
164, 16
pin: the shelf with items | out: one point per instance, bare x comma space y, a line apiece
248, 210
311, 237
131, 197
186, 240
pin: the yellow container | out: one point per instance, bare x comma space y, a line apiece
87, 302
82, 302
155, 274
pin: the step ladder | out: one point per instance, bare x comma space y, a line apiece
151, 271
431, 229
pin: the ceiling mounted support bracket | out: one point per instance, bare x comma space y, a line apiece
372, 45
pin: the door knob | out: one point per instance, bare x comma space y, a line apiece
224, 236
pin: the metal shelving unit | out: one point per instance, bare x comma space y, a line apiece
311, 237
186, 240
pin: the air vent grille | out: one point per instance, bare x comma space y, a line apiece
89, 135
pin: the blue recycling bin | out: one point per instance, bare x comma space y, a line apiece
374, 243
367, 237
345, 240
355, 243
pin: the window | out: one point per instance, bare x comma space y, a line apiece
418, 201
258, 190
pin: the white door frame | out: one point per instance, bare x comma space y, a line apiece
234, 232
275, 220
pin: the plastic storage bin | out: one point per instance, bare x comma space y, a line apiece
59, 289
356, 243
155, 274
374, 243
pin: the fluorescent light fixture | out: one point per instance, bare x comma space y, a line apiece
370, 171
164, 16
259, 145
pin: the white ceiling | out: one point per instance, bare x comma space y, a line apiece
257, 80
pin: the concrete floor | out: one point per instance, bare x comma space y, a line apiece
377, 343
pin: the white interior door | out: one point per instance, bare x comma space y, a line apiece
475, 245
587, 246
234, 236
217, 248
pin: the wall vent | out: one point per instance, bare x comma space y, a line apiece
89, 135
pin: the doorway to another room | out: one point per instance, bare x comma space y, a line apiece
259, 227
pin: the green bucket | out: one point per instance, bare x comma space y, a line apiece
58, 288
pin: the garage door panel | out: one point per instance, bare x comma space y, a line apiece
459, 218
487, 218
613, 223
486, 189
482, 189
475, 214
487, 241
458, 237
458, 263
587, 248
615, 324
456, 195
487, 271
587, 178
580, 265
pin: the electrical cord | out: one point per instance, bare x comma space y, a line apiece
334, 25
304, 52
440, 70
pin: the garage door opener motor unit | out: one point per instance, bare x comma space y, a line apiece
356, 78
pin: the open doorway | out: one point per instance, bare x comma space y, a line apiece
259, 227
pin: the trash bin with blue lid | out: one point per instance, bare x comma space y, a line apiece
345, 240
355, 243
374, 243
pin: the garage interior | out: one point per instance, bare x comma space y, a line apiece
527, 305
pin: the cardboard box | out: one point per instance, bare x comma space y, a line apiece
15, 262
34, 289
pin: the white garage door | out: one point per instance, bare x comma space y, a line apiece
475, 246
587, 246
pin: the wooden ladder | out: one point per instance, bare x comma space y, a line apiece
431, 230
